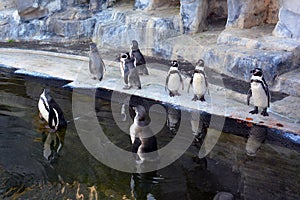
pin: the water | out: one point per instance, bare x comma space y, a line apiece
31, 167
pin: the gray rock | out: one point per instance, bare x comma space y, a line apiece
249, 13
193, 15
29, 10
288, 83
73, 23
258, 38
288, 25
75, 29
118, 28
287, 107
141, 4
7, 4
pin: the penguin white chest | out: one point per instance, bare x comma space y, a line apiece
174, 82
199, 85
260, 99
43, 110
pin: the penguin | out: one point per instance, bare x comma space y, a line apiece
140, 60
199, 82
96, 64
50, 111
131, 75
174, 80
173, 118
142, 138
123, 57
259, 91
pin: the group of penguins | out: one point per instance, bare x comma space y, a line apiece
133, 64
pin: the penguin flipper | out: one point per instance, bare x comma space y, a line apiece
90, 66
191, 82
136, 144
51, 118
181, 80
126, 78
249, 95
166, 84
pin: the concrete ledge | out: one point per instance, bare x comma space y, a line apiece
75, 69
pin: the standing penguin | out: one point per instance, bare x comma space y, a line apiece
131, 75
143, 141
260, 92
199, 82
96, 64
140, 60
174, 80
50, 111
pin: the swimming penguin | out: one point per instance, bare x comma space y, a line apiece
131, 75
174, 80
199, 82
143, 141
260, 92
50, 111
96, 64
140, 60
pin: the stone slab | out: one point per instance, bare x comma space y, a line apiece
289, 83
75, 68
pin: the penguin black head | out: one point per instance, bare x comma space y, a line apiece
124, 56
93, 47
47, 94
174, 63
200, 63
140, 112
134, 45
257, 72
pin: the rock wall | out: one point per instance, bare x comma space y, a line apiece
249, 13
289, 18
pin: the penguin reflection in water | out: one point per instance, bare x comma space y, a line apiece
259, 91
143, 141
140, 60
199, 82
96, 64
50, 111
174, 80
130, 72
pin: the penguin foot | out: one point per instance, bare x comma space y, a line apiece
255, 111
264, 113
202, 98
177, 93
126, 87
171, 94
195, 98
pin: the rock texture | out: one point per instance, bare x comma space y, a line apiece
193, 14
249, 13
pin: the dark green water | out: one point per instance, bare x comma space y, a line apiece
73, 173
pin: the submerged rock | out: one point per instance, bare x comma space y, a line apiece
223, 196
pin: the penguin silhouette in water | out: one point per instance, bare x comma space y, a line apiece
96, 64
50, 111
199, 82
143, 141
174, 80
140, 60
131, 75
259, 91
